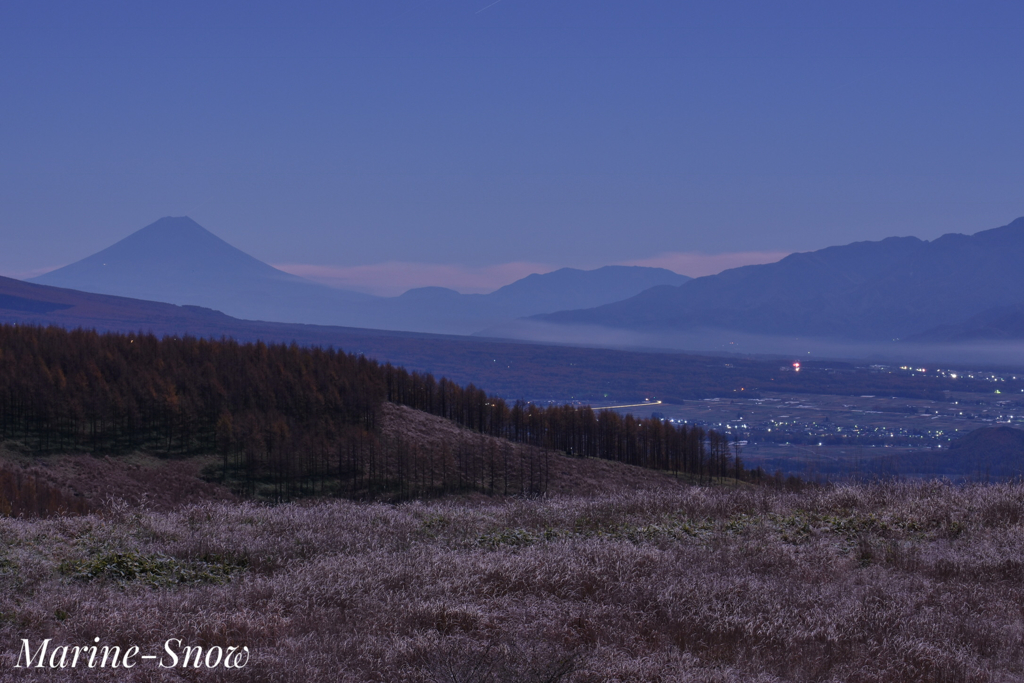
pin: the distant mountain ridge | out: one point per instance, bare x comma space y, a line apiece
885, 290
175, 260
564, 287
558, 290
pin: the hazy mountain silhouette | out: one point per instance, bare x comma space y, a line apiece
570, 287
883, 290
25, 303
437, 309
176, 260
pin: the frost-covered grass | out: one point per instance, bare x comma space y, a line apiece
891, 582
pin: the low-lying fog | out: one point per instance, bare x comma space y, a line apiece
1001, 353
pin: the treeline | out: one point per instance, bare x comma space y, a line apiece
575, 431
287, 421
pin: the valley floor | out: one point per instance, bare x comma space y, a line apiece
887, 582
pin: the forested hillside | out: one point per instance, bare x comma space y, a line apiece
288, 421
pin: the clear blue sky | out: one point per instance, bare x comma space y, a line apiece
477, 133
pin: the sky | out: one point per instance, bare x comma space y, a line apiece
395, 143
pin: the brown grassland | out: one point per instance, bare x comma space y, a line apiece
656, 581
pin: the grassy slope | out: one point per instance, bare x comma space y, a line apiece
164, 484
881, 583
156, 483
569, 476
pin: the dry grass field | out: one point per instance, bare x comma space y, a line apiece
890, 582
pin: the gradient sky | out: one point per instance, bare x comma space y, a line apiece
468, 139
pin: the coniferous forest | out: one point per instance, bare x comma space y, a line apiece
286, 421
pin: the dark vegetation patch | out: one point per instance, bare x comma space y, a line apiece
153, 570
985, 454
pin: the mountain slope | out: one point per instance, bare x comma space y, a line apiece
862, 291
995, 324
176, 260
27, 303
569, 287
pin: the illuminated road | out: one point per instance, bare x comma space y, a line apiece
628, 405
